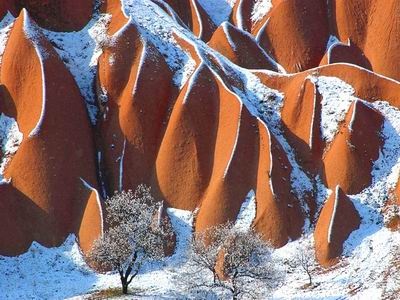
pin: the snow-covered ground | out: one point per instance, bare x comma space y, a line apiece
60, 273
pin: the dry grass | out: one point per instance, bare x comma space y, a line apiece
113, 293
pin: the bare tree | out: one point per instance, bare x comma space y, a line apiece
136, 234
227, 259
304, 258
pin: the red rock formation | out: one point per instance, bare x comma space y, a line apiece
240, 47
241, 14
169, 10
134, 113
338, 219
303, 46
193, 15
118, 19
234, 167
183, 9
188, 143
45, 97
361, 21
201, 145
278, 216
91, 225
349, 159
301, 115
346, 53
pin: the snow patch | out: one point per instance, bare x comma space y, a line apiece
192, 80
247, 212
5, 28
80, 50
121, 166
218, 11
10, 139
61, 272
337, 97
260, 9
160, 34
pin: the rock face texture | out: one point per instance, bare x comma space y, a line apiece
337, 220
288, 99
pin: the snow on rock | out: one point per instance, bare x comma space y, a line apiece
80, 51
337, 97
34, 34
182, 223
10, 139
247, 212
219, 11
5, 27
333, 214
260, 9
160, 34
267, 103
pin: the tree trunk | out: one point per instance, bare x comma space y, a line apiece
124, 288
309, 277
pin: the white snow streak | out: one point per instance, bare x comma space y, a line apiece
98, 201
332, 221
353, 115
191, 83
236, 141
198, 19
260, 9
121, 166
33, 33
310, 141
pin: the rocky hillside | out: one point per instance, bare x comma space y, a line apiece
296, 101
